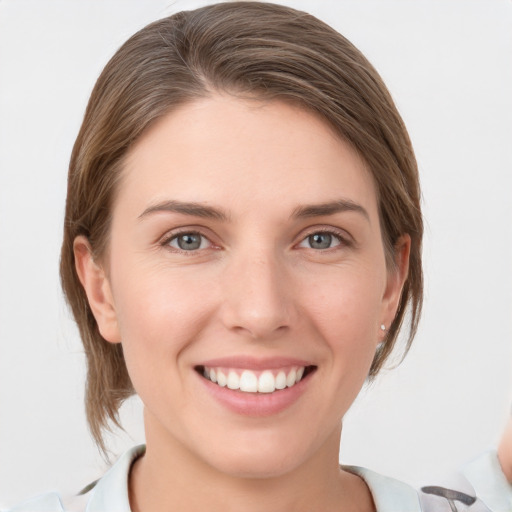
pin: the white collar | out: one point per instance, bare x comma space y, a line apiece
485, 475
389, 495
111, 491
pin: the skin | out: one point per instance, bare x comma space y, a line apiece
255, 287
505, 451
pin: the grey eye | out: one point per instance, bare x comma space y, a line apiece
320, 240
188, 241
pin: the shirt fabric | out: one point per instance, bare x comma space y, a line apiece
479, 487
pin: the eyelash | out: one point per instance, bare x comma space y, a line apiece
175, 235
342, 239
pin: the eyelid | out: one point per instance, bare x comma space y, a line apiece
343, 236
164, 241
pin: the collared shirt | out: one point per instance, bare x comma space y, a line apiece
479, 487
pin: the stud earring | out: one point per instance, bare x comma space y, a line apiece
382, 327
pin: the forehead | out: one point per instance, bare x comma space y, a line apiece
228, 151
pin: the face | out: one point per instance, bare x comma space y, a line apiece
246, 280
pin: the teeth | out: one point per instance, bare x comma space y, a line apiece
249, 382
221, 379
266, 382
233, 380
281, 380
290, 379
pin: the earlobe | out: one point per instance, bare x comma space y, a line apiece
397, 276
97, 288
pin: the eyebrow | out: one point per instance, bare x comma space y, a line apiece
209, 212
186, 208
330, 208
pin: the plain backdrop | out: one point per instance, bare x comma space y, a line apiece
448, 65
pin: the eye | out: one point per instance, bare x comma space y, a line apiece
321, 240
190, 241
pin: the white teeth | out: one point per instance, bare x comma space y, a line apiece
233, 380
221, 379
290, 379
266, 382
249, 382
281, 380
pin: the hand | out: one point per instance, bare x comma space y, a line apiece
505, 451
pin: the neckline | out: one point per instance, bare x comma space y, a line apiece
111, 491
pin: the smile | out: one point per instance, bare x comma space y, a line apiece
249, 381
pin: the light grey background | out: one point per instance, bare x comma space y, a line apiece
447, 63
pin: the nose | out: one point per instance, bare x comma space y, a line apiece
258, 297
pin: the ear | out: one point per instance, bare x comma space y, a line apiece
397, 275
97, 288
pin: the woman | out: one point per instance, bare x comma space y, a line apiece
242, 241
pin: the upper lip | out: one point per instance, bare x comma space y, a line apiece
253, 363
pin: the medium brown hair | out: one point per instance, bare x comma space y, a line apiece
256, 49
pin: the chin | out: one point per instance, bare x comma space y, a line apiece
259, 457
253, 466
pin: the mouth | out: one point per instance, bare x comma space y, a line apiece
255, 382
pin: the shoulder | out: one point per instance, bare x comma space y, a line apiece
110, 493
52, 502
49, 502
389, 494
480, 486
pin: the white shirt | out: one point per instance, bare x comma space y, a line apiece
479, 487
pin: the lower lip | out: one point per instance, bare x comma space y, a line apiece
257, 404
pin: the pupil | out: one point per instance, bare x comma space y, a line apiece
320, 240
189, 242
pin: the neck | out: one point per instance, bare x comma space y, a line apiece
170, 477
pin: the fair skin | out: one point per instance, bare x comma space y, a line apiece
245, 238
505, 451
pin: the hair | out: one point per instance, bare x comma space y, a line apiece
249, 49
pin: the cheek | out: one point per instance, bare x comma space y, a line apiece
346, 312
349, 303
159, 317
159, 312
